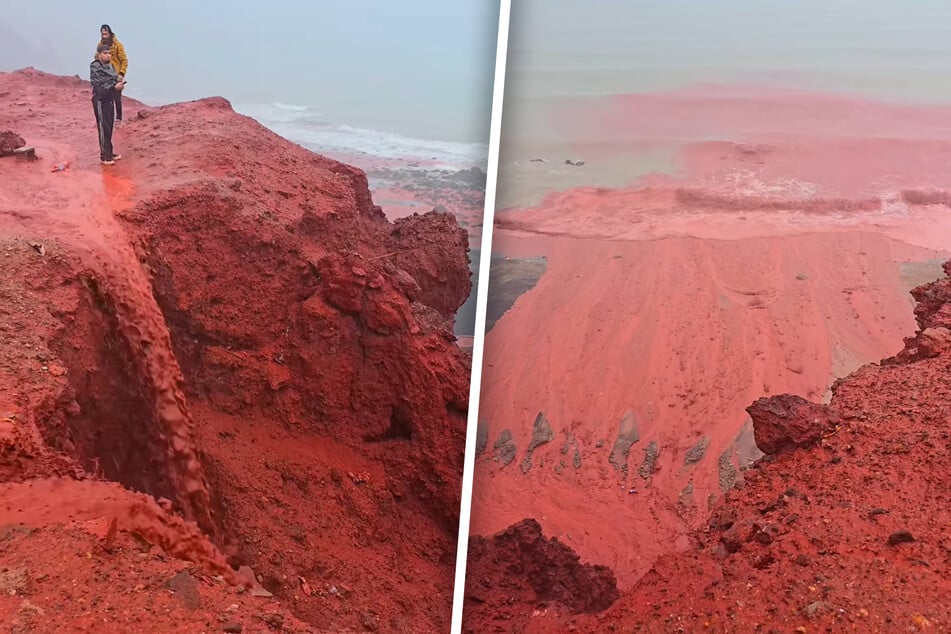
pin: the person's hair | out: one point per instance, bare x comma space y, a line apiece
103, 48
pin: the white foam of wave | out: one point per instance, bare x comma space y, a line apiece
271, 113
291, 107
304, 125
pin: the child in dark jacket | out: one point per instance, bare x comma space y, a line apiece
106, 86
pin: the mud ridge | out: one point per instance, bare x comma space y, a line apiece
849, 498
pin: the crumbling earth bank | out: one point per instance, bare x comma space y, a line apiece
844, 527
226, 324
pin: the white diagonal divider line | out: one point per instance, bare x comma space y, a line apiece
482, 290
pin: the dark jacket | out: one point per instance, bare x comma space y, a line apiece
103, 78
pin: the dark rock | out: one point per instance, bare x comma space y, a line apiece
696, 453
727, 471
473, 177
765, 534
649, 466
737, 535
186, 589
9, 141
933, 342
541, 434
783, 423
575, 163
370, 621
233, 626
685, 501
14, 582
482, 436
576, 460
764, 561
627, 436
816, 608
505, 448
551, 568
900, 537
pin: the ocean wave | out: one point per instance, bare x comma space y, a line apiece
291, 107
304, 125
271, 113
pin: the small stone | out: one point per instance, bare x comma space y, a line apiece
55, 369
274, 620
816, 608
28, 609
186, 589
900, 537
371, 622
920, 622
13, 582
233, 626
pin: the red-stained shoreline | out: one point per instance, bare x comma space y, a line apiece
768, 263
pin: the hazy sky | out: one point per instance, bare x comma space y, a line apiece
420, 67
892, 48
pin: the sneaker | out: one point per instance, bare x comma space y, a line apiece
108, 162
116, 157
118, 123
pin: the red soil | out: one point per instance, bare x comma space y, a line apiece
846, 534
226, 323
769, 264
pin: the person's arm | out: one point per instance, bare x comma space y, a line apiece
122, 59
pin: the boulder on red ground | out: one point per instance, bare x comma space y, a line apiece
784, 422
428, 244
933, 314
9, 141
932, 342
522, 560
933, 302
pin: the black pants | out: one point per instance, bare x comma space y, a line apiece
118, 106
105, 118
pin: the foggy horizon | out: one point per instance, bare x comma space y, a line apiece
422, 70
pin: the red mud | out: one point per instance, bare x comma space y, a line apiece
769, 264
225, 323
847, 534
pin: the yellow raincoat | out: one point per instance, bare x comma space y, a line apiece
117, 52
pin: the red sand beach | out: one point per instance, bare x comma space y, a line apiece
769, 263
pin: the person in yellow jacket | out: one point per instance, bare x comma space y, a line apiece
119, 61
